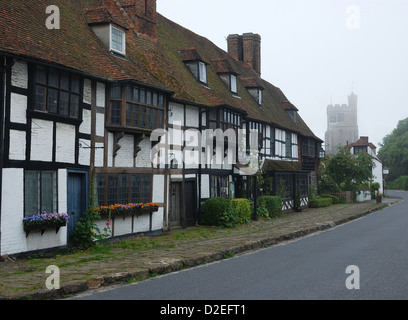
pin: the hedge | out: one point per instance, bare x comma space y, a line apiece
335, 200
272, 203
320, 202
213, 209
226, 213
242, 209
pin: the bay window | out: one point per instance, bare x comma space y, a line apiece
137, 107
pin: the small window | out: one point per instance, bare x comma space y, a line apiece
203, 72
118, 40
256, 93
233, 83
40, 192
199, 70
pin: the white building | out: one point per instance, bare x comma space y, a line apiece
80, 106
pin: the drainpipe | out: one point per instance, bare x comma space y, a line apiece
2, 117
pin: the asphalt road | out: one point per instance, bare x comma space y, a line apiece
314, 267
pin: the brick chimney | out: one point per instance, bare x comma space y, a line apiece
246, 48
143, 15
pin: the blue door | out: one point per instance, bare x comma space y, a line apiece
77, 195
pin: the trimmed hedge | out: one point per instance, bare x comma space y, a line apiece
226, 213
320, 202
213, 209
272, 203
335, 200
243, 210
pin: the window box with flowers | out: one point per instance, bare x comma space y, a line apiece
129, 209
44, 221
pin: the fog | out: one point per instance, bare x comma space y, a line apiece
318, 52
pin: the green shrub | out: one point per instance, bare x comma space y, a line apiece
399, 184
213, 209
243, 210
320, 202
335, 200
272, 203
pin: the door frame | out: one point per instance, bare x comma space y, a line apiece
84, 191
184, 223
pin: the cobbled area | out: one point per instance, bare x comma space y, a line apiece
136, 259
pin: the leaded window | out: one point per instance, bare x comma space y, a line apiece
123, 188
40, 192
57, 92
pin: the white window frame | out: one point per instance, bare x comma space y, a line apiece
233, 84
202, 72
123, 52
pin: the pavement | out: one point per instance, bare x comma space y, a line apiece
136, 259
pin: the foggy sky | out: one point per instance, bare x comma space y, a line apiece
317, 51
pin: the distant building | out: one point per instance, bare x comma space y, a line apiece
342, 126
363, 145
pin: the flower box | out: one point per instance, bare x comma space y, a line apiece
124, 210
44, 221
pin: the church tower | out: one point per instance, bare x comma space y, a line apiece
342, 124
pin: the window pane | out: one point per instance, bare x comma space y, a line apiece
135, 181
41, 75
154, 119
161, 101
148, 98
53, 78
64, 103
40, 96
100, 190
75, 83
129, 93
203, 72
112, 195
136, 94
31, 193
115, 112
233, 83
146, 183
149, 118
116, 92
64, 81
124, 190
142, 96
117, 39
154, 99
52, 101
129, 114
143, 117
74, 106
161, 114
48, 191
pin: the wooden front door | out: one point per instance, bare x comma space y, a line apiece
175, 205
180, 216
76, 201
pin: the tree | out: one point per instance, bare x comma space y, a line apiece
346, 170
394, 151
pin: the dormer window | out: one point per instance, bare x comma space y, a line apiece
117, 40
291, 110
254, 88
227, 73
231, 81
196, 65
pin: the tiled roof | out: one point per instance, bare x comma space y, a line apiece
156, 62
